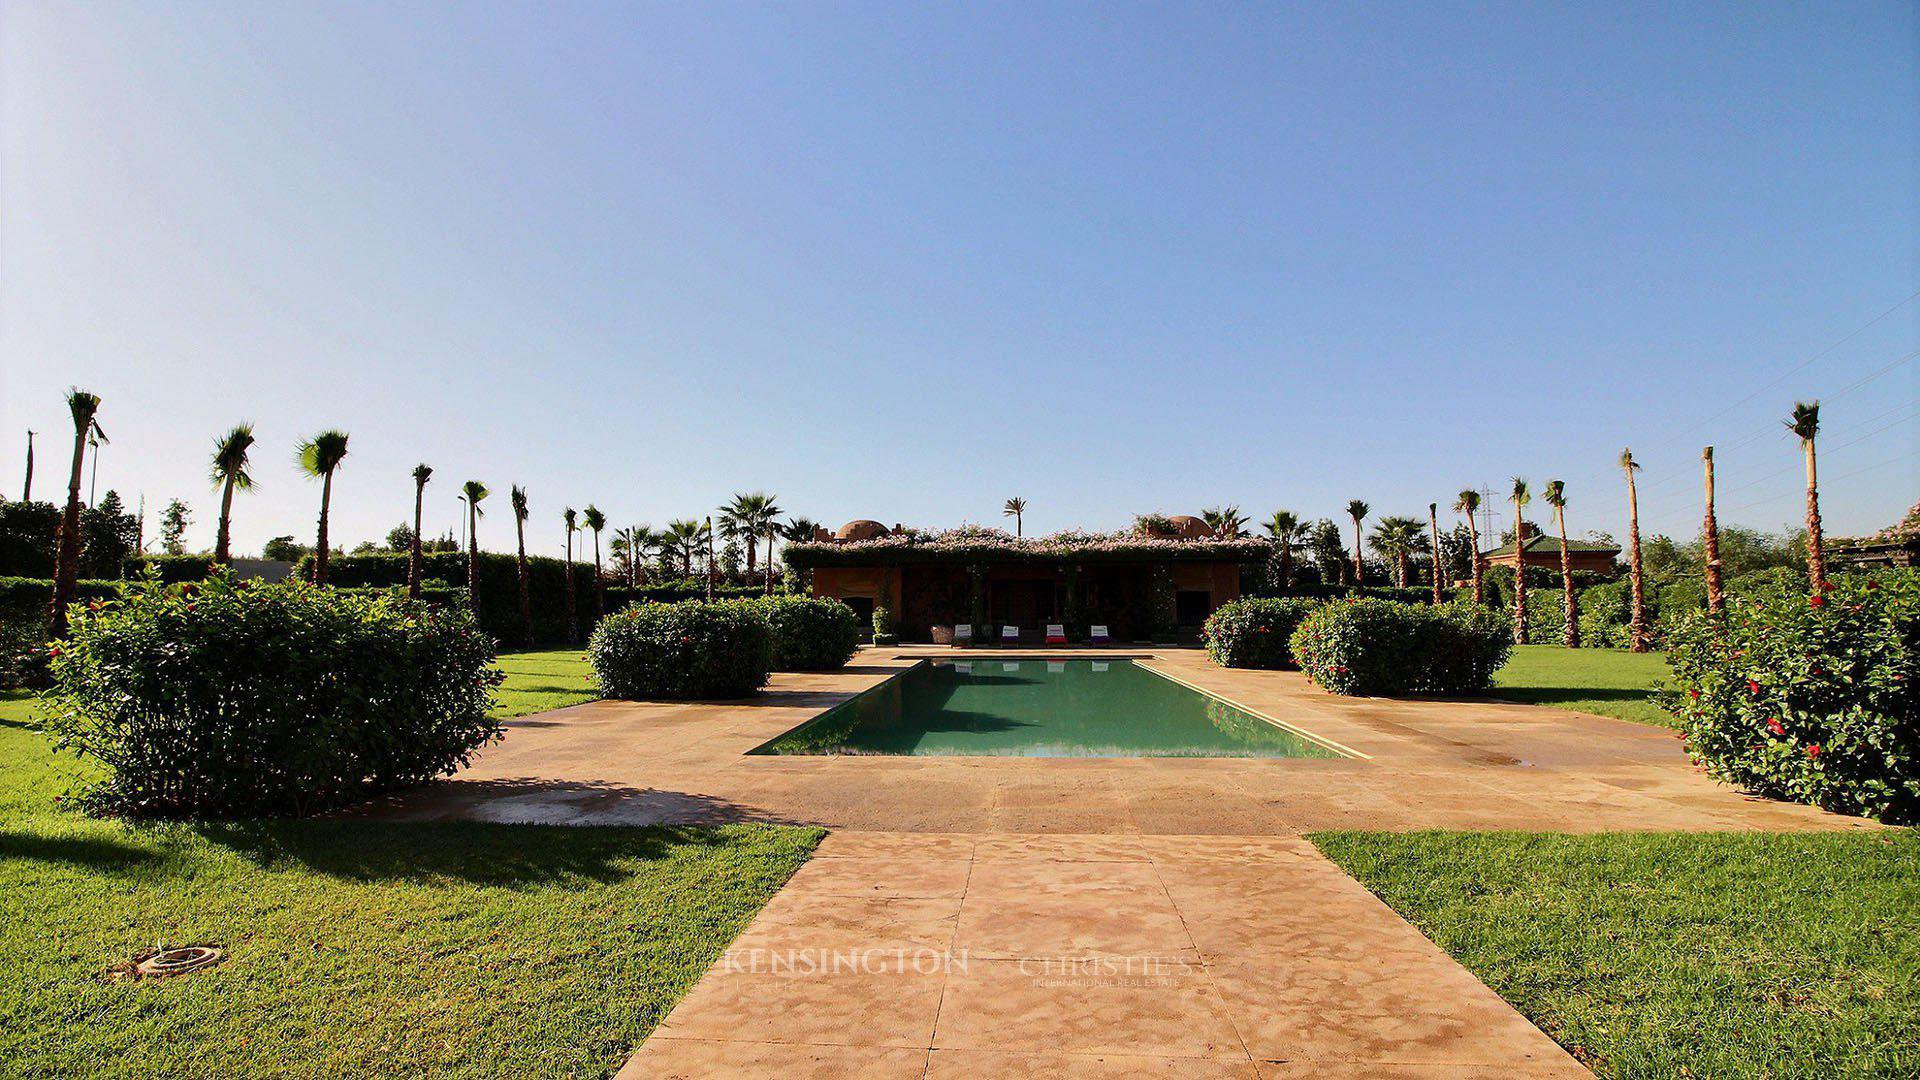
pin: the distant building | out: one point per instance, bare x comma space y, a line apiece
1138, 585
1896, 545
1542, 550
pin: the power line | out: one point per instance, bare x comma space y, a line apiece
1828, 480
1907, 407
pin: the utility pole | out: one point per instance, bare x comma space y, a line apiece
1486, 516
709, 556
26, 492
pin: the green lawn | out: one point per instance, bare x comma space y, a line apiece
549, 679
1676, 955
356, 948
1610, 682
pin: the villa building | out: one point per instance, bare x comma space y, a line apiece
1140, 585
1539, 549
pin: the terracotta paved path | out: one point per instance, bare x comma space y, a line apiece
1094, 917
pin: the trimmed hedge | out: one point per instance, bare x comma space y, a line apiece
1255, 633
1809, 698
810, 633
1315, 590
685, 650
249, 698
23, 624
1377, 647
497, 607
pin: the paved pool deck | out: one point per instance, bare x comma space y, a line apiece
1083, 917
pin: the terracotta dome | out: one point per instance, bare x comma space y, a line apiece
861, 529
1190, 527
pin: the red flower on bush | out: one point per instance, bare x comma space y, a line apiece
1693, 695
1753, 688
1813, 750
1774, 726
1817, 600
1873, 586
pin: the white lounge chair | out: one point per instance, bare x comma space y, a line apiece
963, 634
1056, 634
1010, 633
1098, 635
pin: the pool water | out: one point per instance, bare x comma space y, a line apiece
1041, 708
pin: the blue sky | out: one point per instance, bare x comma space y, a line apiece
904, 261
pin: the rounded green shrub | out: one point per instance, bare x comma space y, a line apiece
1808, 697
1254, 633
686, 650
1379, 647
220, 698
810, 633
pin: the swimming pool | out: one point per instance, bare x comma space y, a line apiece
1041, 708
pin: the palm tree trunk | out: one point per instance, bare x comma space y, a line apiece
320, 552
520, 568
1710, 541
599, 595
221, 554
1473, 537
769, 561
413, 549
1433, 524
473, 554
1637, 621
1400, 567
1359, 566
1816, 554
573, 604
1521, 629
1286, 566
66, 562
1569, 603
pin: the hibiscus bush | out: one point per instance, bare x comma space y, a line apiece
1377, 647
810, 633
1254, 633
1808, 697
690, 649
223, 698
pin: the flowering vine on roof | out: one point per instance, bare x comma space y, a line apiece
969, 543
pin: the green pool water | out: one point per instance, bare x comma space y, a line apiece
1041, 708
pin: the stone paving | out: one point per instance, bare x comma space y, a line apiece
1084, 917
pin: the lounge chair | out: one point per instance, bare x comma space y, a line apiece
1056, 634
963, 634
1010, 633
1099, 635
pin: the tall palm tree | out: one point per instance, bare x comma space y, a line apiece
229, 473
1520, 498
749, 517
1556, 497
1637, 619
573, 606
799, 530
596, 521
517, 496
684, 537
66, 563
1358, 511
319, 457
1396, 537
26, 490
421, 474
1805, 422
623, 555
1286, 529
473, 493
1467, 504
1015, 508
1433, 524
1710, 543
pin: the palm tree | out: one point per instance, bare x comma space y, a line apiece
1710, 543
1805, 422
473, 493
596, 521
229, 473
1637, 620
684, 537
1286, 529
1520, 498
66, 563
623, 554
517, 495
1433, 523
573, 607
749, 517
1395, 537
799, 530
1358, 511
421, 474
1556, 497
1227, 522
26, 490
319, 457
1016, 508
1467, 504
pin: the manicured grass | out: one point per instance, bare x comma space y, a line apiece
1667, 955
1610, 682
356, 948
548, 679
